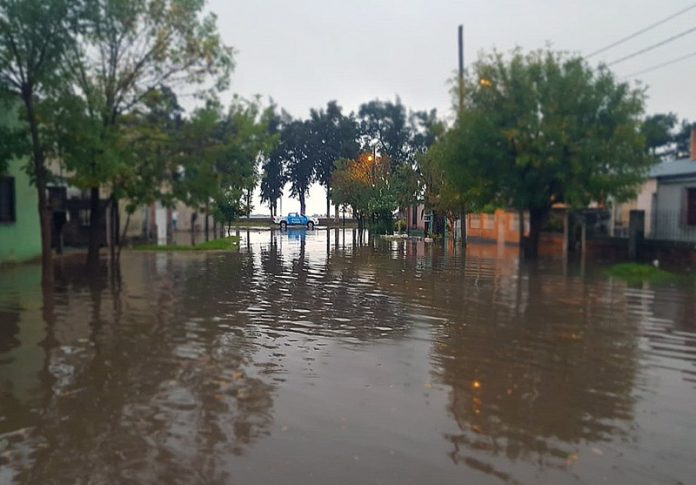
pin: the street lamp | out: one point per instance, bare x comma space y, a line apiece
373, 156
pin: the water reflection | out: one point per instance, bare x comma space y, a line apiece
311, 351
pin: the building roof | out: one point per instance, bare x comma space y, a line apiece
676, 168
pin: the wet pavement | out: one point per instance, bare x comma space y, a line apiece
313, 357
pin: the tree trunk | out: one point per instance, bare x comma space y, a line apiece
462, 225
94, 227
328, 204
41, 180
206, 220
537, 219
520, 224
302, 202
113, 228
123, 237
248, 203
194, 217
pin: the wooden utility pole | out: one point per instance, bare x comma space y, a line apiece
461, 67
460, 85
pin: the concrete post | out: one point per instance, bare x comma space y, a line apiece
636, 229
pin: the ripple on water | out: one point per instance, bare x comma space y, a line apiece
296, 355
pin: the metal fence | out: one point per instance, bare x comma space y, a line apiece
670, 226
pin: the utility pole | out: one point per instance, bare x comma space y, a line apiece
461, 67
460, 83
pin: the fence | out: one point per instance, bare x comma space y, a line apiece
670, 226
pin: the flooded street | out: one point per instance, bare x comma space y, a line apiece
309, 357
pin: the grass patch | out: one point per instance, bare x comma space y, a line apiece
225, 244
638, 273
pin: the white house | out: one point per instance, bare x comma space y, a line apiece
668, 198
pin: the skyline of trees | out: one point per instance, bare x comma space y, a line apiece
96, 86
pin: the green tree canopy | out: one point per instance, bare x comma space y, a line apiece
543, 128
371, 188
219, 151
126, 49
657, 130
333, 136
34, 37
296, 153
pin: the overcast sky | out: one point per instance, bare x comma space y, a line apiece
303, 53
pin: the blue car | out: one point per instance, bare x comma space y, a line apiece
296, 219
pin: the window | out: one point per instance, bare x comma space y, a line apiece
414, 218
490, 222
7, 199
691, 207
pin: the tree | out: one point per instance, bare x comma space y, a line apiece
273, 180
367, 185
657, 130
385, 125
199, 147
129, 48
219, 153
666, 137
295, 151
402, 135
147, 143
273, 174
545, 128
682, 140
34, 35
227, 207
14, 140
333, 136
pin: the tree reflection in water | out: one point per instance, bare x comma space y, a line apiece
179, 367
536, 364
544, 378
143, 383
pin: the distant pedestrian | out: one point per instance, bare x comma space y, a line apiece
175, 219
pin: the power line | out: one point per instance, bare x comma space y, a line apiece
641, 31
653, 46
658, 66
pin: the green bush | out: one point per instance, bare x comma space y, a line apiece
225, 244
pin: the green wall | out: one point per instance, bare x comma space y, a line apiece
21, 240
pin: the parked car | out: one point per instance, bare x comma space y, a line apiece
296, 220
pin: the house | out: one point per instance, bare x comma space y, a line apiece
668, 199
20, 230
417, 218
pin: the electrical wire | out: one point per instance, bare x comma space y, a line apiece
653, 46
663, 64
641, 31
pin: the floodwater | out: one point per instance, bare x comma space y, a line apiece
310, 357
